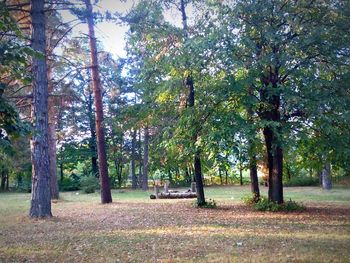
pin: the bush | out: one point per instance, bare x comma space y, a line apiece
302, 181
210, 203
250, 199
263, 204
69, 184
89, 184
291, 206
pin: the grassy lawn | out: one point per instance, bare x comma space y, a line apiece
137, 229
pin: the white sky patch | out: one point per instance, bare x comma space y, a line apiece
112, 34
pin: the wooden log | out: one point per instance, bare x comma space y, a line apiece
178, 195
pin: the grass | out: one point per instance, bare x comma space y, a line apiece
137, 229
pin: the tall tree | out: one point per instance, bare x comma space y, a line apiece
189, 83
106, 196
41, 196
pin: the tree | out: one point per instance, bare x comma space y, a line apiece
41, 196
106, 196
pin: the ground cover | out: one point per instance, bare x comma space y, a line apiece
137, 229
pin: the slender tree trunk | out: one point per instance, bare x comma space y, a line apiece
140, 161
326, 177
226, 177
254, 178
3, 180
41, 195
145, 161
220, 175
92, 139
188, 81
133, 161
240, 174
52, 139
106, 196
7, 188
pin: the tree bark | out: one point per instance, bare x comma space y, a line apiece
254, 183
41, 194
275, 164
3, 180
326, 177
140, 161
133, 161
145, 161
52, 139
106, 196
92, 140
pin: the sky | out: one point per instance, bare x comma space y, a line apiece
111, 34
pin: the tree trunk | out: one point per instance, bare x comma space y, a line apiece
188, 81
106, 196
92, 139
140, 161
41, 195
145, 161
3, 180
199, 180
240, 174
254, 178
275, 164
326, 177
133, 161
220, 175
226, 177
52, 139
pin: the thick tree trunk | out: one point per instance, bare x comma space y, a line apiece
145, 161
52, 139
326, 177
106, 196
275, 164
199, 180
133, 161
41, 195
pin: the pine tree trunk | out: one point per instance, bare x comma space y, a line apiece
106, 196
52, 139
326, 177
133, 161
145, 161
92, 139
41, 194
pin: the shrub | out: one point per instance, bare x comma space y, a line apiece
302, 181
263, 204
291, 206
89, 184
210, 203
250, 199
69, 184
